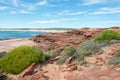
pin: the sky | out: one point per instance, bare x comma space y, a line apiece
59, 13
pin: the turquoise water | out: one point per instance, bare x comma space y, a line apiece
18, 34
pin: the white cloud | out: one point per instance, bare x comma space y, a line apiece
75, 13
93, 2
44, 2
25, 12
69, 19
44, 21
52, 21
20, 12
90, 2
52, 5
29, 6
67, 12
4, 1
112, 21
15, 2
13, 12
107, 11
63, 12
3, 7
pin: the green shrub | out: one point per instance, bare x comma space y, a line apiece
83, 63
66, 53
2, 54
116, 59
1, 73
107, 35
69, 50
19, 58
114, 62
89, 48
61, 61
4, 77
51, 54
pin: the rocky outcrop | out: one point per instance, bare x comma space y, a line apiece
92, 60
59, 40
2, 54
95, 73
96, 70
28, 71
37, 76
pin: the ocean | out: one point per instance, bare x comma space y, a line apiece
18, 34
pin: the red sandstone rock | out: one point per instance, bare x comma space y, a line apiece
37, 76
96, 73
28, 71
72, 68
92, 60
54, 59
58, 40
69, 65
68, 61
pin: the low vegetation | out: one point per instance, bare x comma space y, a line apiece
1, 73
107, 35
66, 53
19, 58
116, 59
3, 77
51, 54
88, 48
2, 54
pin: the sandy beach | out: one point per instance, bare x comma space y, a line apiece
48, 31
7, 45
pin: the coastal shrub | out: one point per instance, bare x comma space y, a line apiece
83, 63
66, 53
2, 54
69, 50
116, 59
19, 58
107, 35
88, 48
3, 77
62, 60
1, 73
64, 57
50, 54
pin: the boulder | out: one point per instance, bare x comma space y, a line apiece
54, 59
92, 60
28, 71
72, 68
68, 61
2, 54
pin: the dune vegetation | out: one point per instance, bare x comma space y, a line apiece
19, 58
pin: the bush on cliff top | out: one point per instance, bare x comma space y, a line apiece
116, 59
69, 50
88, 48
66, 53
107, 35
19, 58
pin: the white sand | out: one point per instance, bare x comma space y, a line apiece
50, 31
7, 45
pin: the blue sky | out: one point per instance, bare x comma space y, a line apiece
59, 13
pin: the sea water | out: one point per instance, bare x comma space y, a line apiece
18, 34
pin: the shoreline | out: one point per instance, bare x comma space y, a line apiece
3, 39
8, 39
46, 31
7, 45
49, 31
